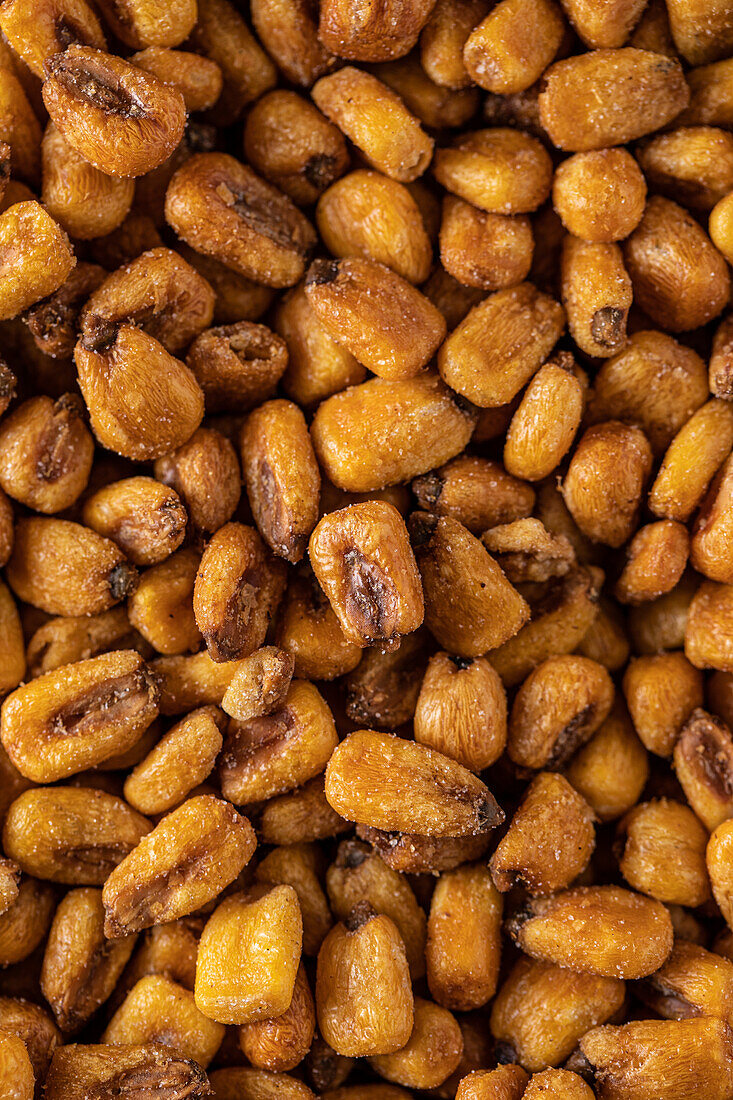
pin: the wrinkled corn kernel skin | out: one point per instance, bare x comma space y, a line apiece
146, 519
362, 558
159, 1010
496, 56
542, 1011
85, 201
317, 366
260, 685
221, 208
608, 97
703, 764
368, 769
596, 294
74, 718
461, 711
205, 473
650, 837
599, 195
122, 120
499, 170
612, 769
280, 1044
38, 31
431, 1054
140, 1070
668, 1056
237, 366
543, 427
692, 981
248, 957
600, 930
661, 693
484, 250
181, 759
193, 853
35, 257
478, 492
378, 33
382, 690
387, 325
24, 925
364, 1000
17, 1079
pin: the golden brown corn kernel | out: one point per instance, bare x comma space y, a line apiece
560, 620
382, 691
188, 859
35, 257
527, 552
655, 560
443, 38
282, 477
485, 250
554, 514
470, 606
236, 1082
46, 453
498, 170
71, 835
692, 982
122, 120
603, 26
417, 854
662, 852
67, 569
12, 656
461, 710
543, 427
281, 1044
237, 298
20, 130
24, 925
506, 1082
142, 429
197, 78
288, 30
608, 97
721, 360
452, 298
612, 769
666, 1057
293, 146
550, 839
237, 366
605, 480
368, 770
238, 587
300, 817
248, 957
691, 459
168, 949
86, 1069
9, 880
500, 56
377, 121
83, 200
557, 709
205, 473
431, 1054
475, 491
317, 366
464, 938
38, 31
709, 95
718, 860
221, 208
661, 692
373, 217
222, 35
278, 752
80, 967
160, 608
363, 996
541, 1011
309, 631
708, 629
374, 34
383, 432
260, 684
140, 22
296, 865
77, 716
680, 280
692, 165
146, 519
600, 930
191, 681
383, 321
367, 1092
433, 105
558, 1084
17, 1079
53, 321
501, 343
35, 1027
599, 195
596, 294
157, 1010
181, 759
362, 558
703, 764
710, 534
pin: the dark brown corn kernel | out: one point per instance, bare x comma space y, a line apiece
382, 690
16, 1072
67, 569
123, 121
75, 717
703, 764
461, 710
612, 769
135, 1068
197, 850
293, 146
421, 422
464, 938
146, 519
80, 967
470, 606
282, 477
238, 587
368, 769
237, 366
477, 492
662, 852
71, 835
35, 257
601, 930
362, 558
607, 97
661, 692
205, 473
12, 657
221, 208
53, 321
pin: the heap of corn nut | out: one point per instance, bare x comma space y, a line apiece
366, 536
